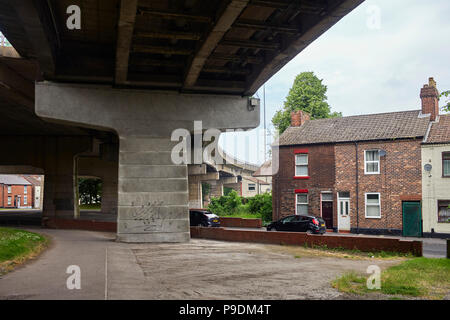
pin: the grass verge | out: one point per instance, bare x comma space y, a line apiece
18, 246
419, 277
94, 206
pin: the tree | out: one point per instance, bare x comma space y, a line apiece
447, 106
307, 94
90, 190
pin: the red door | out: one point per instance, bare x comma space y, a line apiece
327, 213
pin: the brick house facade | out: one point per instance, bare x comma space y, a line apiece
364, 167
16, 192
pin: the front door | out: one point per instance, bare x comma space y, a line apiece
412, 219
327, 213
344, 214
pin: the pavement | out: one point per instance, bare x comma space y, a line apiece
432, 247
200, 269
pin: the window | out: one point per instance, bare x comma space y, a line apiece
301, 165
25, 199
446, 164
373, 205
25, 190
327, 196
251, 187
9, 201
444, 211
9, 189
372, 162
301, 203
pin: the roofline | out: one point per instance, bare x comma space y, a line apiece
436, 143
349, 141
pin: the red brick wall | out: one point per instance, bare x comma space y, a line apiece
366, 244
91, 225
399, 178
15, 191
321, 172
240, 223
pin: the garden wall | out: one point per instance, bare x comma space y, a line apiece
366, 244
240, 222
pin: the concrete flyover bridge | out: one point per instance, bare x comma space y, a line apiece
111, 79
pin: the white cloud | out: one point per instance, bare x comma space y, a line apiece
372, 71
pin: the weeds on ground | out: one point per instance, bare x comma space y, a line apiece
17, 246
419, 277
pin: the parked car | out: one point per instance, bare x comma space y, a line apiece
298, 223
203, 218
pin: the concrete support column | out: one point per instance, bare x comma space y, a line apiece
216, 189
195, 194
59, 175
153, 192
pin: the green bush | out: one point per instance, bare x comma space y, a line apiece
231, 204
225, 205
262, 204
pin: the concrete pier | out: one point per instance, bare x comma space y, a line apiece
153, 198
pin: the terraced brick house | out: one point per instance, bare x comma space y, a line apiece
362, 174
436, 179
15, 192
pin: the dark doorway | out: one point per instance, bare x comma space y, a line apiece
327, 213
412, 219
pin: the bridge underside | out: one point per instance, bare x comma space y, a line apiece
103, 100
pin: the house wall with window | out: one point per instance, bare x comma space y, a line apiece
287, 183
436, 189
383, 183
12, 193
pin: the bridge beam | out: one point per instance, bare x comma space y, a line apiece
224, 23
152, 190
127, 19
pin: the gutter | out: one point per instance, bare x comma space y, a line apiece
357, 187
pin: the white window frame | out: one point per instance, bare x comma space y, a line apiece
301, 203
254, 186
9, 200
9, 189
371, 161
302, 165
379, 204
25, 190
25, 200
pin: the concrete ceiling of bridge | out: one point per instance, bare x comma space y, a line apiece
215, 46
17, 116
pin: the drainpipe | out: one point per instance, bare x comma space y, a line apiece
357, 187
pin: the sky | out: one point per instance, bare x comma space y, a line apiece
373, 60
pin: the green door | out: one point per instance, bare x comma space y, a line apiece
412, 219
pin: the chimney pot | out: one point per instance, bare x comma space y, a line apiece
430, 99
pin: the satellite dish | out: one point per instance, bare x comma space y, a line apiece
428, 167
382, 153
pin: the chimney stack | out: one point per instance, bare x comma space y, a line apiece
299, 117
430, 99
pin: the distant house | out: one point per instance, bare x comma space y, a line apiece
361, 174
38, 188
436, 178
251, 186
15, 192
264, 173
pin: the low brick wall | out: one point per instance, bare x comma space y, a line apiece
80, 224
366, 244
240, 222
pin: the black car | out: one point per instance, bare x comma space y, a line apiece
309, 224
203, 218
